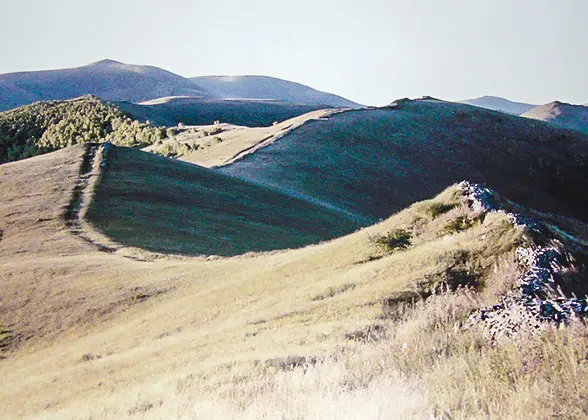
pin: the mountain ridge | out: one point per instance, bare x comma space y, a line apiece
116, 81
266, 87
497, 103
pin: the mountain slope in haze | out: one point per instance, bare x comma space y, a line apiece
107, 79
496, 103
269, 88
375, 162
570, 116
194, 111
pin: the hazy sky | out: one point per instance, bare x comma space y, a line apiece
371, 51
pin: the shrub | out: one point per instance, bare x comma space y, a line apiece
395, 240
459, 224
437, 209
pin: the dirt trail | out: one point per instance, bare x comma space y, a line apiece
90, 170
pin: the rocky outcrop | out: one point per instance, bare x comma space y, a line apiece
536, 298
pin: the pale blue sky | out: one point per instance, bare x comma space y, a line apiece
371, 51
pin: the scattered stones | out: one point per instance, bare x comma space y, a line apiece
536, 298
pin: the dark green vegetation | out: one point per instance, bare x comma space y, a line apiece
162, 205
47, 126
193, 111
374, 162
395, 240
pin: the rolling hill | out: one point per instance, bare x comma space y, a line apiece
574, 117
151, 335
202, 212
137, 286
499, 104
374, 162
270, 88
107, 79
46, 126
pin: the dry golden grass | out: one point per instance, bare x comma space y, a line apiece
106, 337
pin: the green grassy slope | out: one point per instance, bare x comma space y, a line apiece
377, 161
163, 205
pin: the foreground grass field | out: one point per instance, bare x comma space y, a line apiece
316, 332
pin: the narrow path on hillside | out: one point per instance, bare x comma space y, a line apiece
82, 195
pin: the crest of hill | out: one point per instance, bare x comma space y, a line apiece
566, 115
270, 88
374, 162
107, 79
496, 103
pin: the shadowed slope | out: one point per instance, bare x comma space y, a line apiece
374, 162
159, 204
196, 111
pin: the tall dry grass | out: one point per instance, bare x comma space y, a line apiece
419, 365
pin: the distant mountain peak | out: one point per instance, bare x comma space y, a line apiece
105, 62
251, 87
574, 117
497, 103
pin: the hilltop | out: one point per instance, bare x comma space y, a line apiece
574, 117
107, 79
270, 88
496, 103
373, 162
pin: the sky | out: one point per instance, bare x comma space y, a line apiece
370, 51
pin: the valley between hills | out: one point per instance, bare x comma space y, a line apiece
179, 258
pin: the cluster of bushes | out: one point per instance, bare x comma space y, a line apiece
43, 127
395, 240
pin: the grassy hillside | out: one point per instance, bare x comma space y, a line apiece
105, 336
377, 161
194, 111
47, 126
383, 322
154, 203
